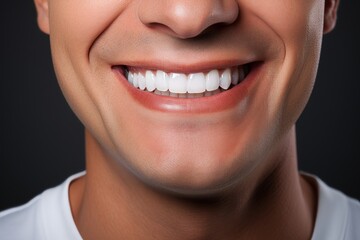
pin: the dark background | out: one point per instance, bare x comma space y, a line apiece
41, 141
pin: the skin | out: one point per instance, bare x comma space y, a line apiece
151, 174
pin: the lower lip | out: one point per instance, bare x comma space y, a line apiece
215, 103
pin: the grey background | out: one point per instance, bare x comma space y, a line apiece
41, 141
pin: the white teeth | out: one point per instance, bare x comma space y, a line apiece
196, 83
235, 77
177, 83
186, 86
135, 80
212, 80
225, 79
150, 81
142, 81
131, 77
162, 81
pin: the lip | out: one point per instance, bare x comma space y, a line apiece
215, 103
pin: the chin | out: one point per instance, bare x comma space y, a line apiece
193, 175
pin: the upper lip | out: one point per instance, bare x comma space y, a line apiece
190, 67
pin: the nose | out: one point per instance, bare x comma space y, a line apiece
187, 18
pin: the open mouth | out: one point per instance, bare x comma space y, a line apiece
206, 91
182, 85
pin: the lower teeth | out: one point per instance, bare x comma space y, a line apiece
188, 95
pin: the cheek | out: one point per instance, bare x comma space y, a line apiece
74, 29
299, 25
82, 21
303, 50
292, 20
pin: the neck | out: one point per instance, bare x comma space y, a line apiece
273, 202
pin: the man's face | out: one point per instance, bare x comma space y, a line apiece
176, 141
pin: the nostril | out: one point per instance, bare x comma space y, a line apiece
161, 28
187, 19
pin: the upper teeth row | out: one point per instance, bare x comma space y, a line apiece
186, 83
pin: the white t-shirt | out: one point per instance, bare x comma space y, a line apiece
48, 216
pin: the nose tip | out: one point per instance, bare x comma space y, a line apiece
187, 18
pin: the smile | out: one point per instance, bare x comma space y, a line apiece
208, 91
181, 85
